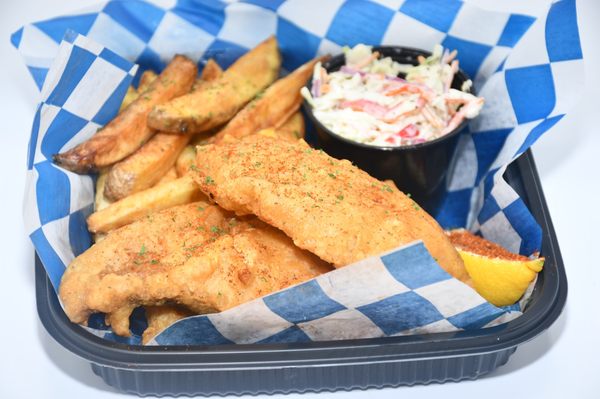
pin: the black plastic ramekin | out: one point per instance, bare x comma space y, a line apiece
418, 169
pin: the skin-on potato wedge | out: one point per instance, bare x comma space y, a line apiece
133, 93
148, 76
100, 200
169, 176
186, 159
145, 167
211, 71
128, 131
280, 101
219, 101
177, 192
292, 129
130, 96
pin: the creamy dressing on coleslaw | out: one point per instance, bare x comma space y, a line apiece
366, 102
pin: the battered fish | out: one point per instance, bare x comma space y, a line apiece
196, 255
160, 317
327, 206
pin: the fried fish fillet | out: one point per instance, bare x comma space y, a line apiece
196, 255
160, 317
327, 206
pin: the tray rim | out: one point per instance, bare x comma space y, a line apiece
542, 312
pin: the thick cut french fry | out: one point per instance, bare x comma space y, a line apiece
128, 131
132, 94
211, 71
169, 176
292, 129
219, 101
280, 101
146, 80
177, 192
186, 159
100, 200
130, 97
145, 167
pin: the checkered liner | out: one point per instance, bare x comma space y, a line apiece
398, 293
529, 70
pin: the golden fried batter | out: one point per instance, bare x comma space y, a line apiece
196, 255
327, 206
161, 317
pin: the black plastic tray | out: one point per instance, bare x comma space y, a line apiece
319, 366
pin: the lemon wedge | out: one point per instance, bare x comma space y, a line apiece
498, 275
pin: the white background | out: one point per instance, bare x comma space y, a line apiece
562, 362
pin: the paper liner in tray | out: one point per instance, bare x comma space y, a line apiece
529, 71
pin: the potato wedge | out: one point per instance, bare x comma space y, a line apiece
186, 159
218, 102
128, 131
132, 94
130, 97
145, 167
280, 101
148, 76
169, 176
100, 200
211, 71
177, 192
293, 128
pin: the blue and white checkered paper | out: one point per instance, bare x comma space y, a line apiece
528, 69
398, 293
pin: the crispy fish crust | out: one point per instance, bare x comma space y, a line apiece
128, 131
327, 206
160, 317
196, 255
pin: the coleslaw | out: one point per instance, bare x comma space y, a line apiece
366, 101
